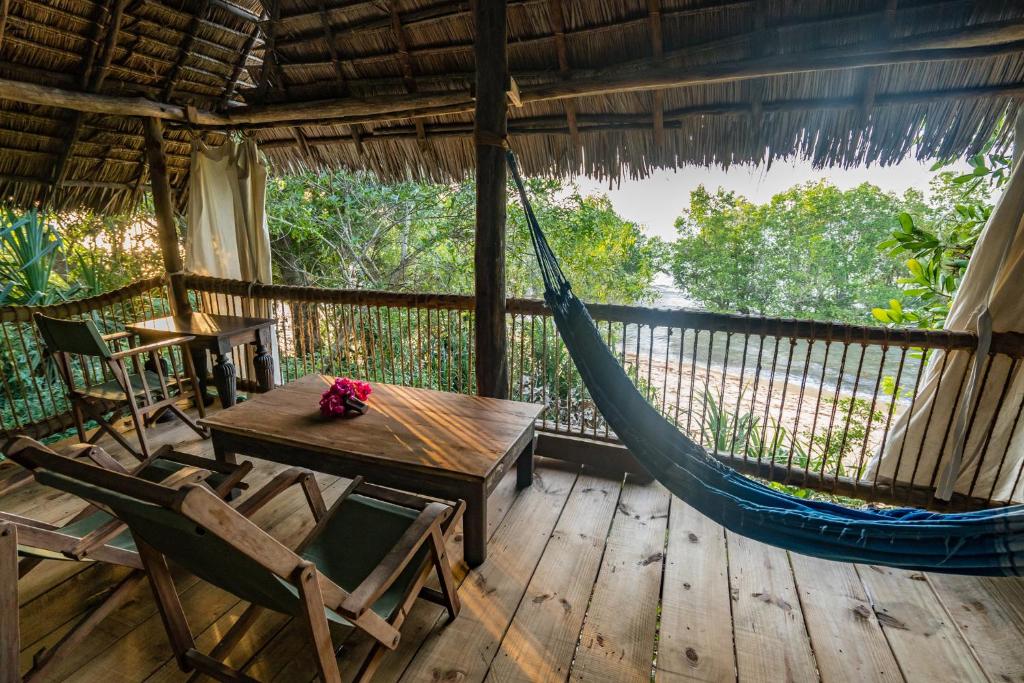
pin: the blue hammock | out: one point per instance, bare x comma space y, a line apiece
986, 542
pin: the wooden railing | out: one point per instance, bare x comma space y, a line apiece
798, 402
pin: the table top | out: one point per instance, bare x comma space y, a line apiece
408, 428
198, 325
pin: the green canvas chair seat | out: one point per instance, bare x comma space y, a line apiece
93, 535
156, 471
363, 564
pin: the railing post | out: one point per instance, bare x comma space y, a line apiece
164, 210
491, 127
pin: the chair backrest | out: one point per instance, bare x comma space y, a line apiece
71, 336
154, 514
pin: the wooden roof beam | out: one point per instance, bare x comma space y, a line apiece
562, 51
657, 52
405, 61
184, 49
635, 78
92, 81
555, 125
270, 51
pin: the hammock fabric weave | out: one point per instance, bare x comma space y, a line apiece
986, 542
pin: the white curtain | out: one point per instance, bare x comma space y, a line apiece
227, 223
994, 280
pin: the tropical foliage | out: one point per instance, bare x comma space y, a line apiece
343, 229
810, 252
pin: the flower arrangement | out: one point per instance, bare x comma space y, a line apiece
345, 397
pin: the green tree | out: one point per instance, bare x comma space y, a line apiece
343, 229
809, 252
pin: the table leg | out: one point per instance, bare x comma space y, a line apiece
474, 527
224, 379
263, 363
524, 466
198, 354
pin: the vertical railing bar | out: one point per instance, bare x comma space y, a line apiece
753, 394
832, 415
903, 443
992, 425
849, 414
693, 380
768, 398
665, 371
892, 408
721, 394
782, 408
679, 374
1020, 466
739, 395
522, 352
707, 384
817, 406
650, 364
871, 414
977, 405
544, 370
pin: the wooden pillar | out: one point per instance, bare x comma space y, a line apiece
163, 207
491, 55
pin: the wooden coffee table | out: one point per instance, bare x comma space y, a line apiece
440, 444
217, 334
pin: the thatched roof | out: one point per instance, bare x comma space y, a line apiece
610, 88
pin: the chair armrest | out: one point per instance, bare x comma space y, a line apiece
99, 536
397, 559
278, 485
155, 346
114, 336
233, 473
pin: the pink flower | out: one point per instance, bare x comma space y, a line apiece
333, 401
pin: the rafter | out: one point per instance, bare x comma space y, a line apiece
657, 52
984, 41
92, 81
870, 77
270, 51
408, 75
562, 51
184, 49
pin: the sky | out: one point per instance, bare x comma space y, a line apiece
655, 201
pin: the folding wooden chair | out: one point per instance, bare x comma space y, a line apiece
145, 391
363, 564
92, 536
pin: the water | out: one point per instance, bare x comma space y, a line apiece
826, 368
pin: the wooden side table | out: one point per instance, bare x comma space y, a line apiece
218, 334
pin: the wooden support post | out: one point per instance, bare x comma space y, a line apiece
163, 207
491, 53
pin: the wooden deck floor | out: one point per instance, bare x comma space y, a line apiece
588, 579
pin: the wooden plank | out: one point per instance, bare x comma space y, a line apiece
771, 639
695, 639
617, 641
847, 639
541, 640
922, 635
992, 627
464, 648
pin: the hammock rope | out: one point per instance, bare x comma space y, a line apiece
985, 542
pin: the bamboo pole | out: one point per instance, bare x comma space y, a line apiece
491, 126
163, 207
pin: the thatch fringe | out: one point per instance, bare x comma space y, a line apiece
210, 53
